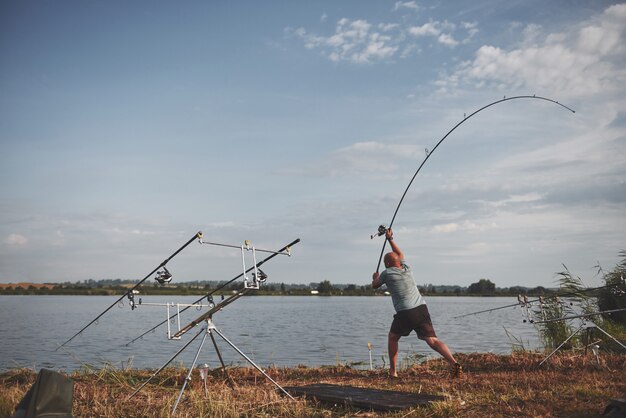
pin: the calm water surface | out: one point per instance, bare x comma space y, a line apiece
285, 331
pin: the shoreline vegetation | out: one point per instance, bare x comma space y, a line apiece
607, 295
483, 287
572, 384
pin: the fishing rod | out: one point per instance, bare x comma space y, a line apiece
129, 292
209, 296
429, 153
557, 295
610, 311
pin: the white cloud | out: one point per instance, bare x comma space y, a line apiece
361, 42
427, 29
471, 28
386, 27
361, 157
464, 226
587, 59
354, 41
523, 198
16, 240
471, 250
531, 33
364, 159
410, 5
447, 39
136, 231
443, 31
378, 148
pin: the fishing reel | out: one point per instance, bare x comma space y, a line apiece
616, 290
526, 306
209, 298
163, 276
261, 277
382, 230
131, 301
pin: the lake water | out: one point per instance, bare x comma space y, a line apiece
272, 330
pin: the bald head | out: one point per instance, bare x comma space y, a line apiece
392, 260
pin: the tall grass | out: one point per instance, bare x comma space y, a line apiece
554, 333
580, 301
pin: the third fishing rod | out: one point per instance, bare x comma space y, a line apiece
557, 295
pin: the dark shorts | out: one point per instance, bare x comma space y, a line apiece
416, 319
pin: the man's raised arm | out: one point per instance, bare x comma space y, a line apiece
376, 283
394, 246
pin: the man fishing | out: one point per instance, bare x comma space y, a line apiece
411, 311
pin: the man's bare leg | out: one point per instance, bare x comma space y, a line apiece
392, 345
440, 347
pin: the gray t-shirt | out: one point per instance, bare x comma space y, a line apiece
401, 285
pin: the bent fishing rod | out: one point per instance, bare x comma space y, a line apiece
208, 296
129, 292
428, 154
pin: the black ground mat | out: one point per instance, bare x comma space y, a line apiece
382, 400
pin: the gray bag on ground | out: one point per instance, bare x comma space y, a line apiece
50, 397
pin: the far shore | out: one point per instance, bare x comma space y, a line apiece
270, 289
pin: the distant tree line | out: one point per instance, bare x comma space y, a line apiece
483, 287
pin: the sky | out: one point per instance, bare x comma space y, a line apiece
126, 127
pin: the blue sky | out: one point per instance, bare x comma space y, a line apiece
125, 127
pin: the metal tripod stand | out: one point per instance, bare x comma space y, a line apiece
208, 331
587, 325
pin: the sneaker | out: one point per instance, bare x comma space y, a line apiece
457, 371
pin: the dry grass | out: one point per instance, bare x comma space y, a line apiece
493, 386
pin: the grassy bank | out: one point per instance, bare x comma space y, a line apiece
569, 385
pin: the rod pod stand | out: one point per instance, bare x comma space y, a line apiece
588, 325
284, 250
210, 328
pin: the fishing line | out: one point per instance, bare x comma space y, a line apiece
429, 153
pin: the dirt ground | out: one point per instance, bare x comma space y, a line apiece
568, 385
